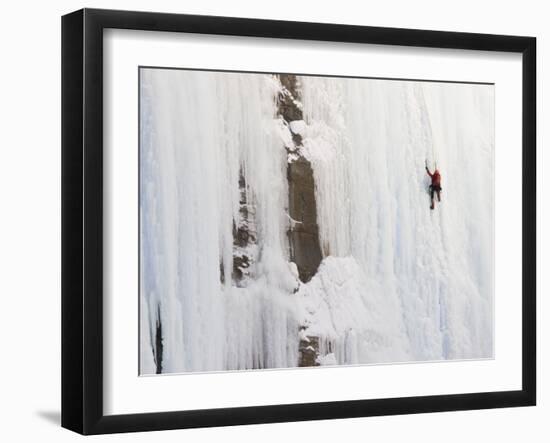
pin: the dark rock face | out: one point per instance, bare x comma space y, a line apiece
305, 249
241, 263
288, 107
309, 351
244, 235
157, 348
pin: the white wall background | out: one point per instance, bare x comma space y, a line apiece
30, 218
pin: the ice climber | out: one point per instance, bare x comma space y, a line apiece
435, 187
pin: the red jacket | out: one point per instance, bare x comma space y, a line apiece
436, 177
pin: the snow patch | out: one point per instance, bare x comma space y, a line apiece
327, 360
297, 127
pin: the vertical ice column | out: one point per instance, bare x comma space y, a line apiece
367, 141
210, 148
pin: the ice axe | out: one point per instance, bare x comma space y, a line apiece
426, 163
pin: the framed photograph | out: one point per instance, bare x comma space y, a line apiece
269, 221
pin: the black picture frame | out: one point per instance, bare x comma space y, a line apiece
82, 220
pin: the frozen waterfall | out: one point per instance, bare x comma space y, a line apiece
397, 282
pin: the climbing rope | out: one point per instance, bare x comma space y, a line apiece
430, 132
